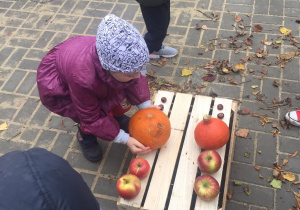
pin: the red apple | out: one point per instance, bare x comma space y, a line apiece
139, 167
128, 186
209, 161
206, 187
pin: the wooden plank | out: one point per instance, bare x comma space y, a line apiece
187, 168
137, 201
234, 107
162, 175
213, 205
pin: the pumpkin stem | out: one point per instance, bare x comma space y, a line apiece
206, 117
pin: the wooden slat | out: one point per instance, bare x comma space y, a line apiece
213, 205
161, 179
187, 168
137, 201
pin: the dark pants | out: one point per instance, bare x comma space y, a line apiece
157, 21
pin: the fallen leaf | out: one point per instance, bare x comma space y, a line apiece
251, 70
257, 167
240, 66
290, 177
162, 61
248, 41
222, 45
260, 176
197, 27
269, 179
293, 155
204, 27
62, 123
229, 194
255, 93
285, 161
258, 28
209, 77
242, 133
238, 19
186, 63
275, 125
233, 83
186, 72
276, 184
285, 31
278, 42
254, 86
226, 71
247, 189
3, 126
245, 111
237, 183
276, 83
264, 71
215, 14
236, 51
247, 154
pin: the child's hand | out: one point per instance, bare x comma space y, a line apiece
136, 147
154, 106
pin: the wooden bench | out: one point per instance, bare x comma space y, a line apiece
174, 166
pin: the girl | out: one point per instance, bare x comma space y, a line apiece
94, 81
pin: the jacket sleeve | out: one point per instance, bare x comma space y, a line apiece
93, 118
139, 92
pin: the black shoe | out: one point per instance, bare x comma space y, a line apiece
123, 122
89, 146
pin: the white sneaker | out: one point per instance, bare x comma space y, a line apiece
293, 117
165, 51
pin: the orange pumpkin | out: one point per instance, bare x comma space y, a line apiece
151, 127
211, 133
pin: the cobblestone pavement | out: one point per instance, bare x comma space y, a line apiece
29, 29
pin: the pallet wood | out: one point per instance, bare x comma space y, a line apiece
156, 195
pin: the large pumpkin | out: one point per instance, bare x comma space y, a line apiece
211, 133
151, 127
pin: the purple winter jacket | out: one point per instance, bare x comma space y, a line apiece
72, 83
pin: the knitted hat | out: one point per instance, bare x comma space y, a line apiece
120, 46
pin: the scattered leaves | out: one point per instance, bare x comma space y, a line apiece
285, 31
3, 126
289, 176
293, 155
186, 72
240, 66
242, 133
276, 183
285, 161
247, 189
258, 28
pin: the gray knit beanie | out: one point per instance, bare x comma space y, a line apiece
120, 46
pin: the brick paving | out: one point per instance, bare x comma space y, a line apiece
29, 29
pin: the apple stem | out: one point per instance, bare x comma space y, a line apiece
125, 180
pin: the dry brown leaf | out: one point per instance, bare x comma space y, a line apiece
255, 115
233, 83
229, 194
197, 27
251, 70
186, 63
242, 133
245, 111
285, 161
204, 27
260, 176
162, 61
255, 93
293, 155
238, 19
62, 123
264, 71
257, 167
258, 28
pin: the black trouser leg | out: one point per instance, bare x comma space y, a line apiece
157, 21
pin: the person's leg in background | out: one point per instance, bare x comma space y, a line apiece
157, 19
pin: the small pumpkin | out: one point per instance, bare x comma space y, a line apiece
151, 127
211, 133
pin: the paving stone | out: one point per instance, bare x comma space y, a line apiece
35, 92
130, 12
107, 204
30, 6
26, 111
291, 87
238, 8
31, 21
248, 174
216, 5
261, 196
18, 5
29, 134
167, 71
114, 159
77, 160
199, 53
268, 19
58, 38
177, 30
249, 2
292, 12
230, 91
140, 26
82, 25
7, 113
227, 21
221, 55
184, 18
193, 37
270, 90
276, 8
12, 132
39, 118
20, 42
56, 122
246, 121
267, 144
92, 30
273, 39
14, 80
43, 22
192, 62
79, 8
288, 145
5, 53
27, 84
96, 13
130, 156
203, 4
36, 54
106, 187
230, 205
67, 6
44, 39
14, 22
62, 143
257, 208
291, 70
285, 198
9, 146
88, 178
208, 35
12, 101
29, 64
5, 74
5, 4
16, 14
181, 4
254, 107
45, 139
243, 145
293, 164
